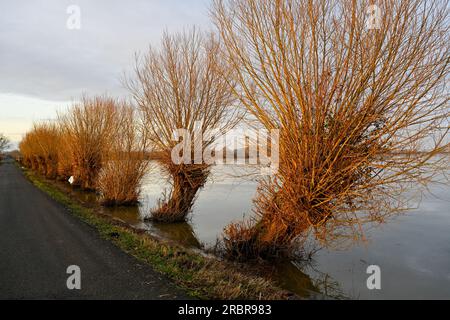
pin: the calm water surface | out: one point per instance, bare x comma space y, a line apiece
412, 250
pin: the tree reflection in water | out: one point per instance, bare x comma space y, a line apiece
181, 233
304, 279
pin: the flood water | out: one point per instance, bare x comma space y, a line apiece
412, 250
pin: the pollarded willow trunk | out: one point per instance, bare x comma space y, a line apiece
64, 170
26, 162
86, 171
52, 167
186, 182
34, 163
275, 231
42, 165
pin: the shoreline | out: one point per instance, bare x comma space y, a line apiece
201, 275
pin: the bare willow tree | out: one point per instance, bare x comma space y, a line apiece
40, 148
183, 85
357, 89
120, 178
89, 128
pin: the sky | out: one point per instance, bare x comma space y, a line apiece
49, 57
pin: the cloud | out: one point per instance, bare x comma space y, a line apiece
40, 57
17, 113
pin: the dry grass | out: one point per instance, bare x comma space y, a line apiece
350, 103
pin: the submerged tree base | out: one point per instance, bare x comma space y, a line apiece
116, 203
187, 180
166, 214
176, 209
247, 241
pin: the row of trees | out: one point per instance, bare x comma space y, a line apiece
4, 144
98, 143
361, 113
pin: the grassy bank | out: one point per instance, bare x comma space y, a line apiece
201, 276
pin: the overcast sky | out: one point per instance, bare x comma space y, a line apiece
44, 65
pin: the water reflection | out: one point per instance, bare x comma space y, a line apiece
130, 215
182, 233
304, 279
292, 278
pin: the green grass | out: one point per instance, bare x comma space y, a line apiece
200, 276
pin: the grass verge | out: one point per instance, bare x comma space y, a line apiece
200, 276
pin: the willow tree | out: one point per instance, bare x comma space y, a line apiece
120, 178
357, 89
185, 84
89, 128
39, 148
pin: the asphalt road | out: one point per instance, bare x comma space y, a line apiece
39, 240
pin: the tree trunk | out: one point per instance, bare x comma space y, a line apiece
181, 199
